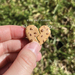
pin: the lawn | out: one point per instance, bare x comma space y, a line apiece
58, 52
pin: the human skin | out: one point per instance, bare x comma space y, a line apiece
18, 56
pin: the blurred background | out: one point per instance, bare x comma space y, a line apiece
58, 52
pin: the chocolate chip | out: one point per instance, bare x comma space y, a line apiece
31, 29
46, 33
43, 41
41, 35
42, 30
34, 32
30, 34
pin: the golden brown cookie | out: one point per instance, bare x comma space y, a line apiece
44, 34
32, 32
40, 36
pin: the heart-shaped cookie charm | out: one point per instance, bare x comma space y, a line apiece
40, 36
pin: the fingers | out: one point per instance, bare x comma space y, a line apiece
10, 57
12, 45
39, 57
4, 69
26, 60
7, 58
10, 32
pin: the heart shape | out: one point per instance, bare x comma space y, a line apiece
40, 36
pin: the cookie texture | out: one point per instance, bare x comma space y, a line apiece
44, 34
32, 32
40, 36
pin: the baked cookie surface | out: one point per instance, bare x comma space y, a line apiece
40, 36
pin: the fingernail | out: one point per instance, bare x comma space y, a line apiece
34, 47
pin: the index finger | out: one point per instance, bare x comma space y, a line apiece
11, 32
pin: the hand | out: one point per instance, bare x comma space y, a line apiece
17, 55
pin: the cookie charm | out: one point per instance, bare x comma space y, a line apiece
32, 33
44, 34
40, 36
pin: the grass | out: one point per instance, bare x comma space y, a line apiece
58, 52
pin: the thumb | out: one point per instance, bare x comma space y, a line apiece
26, 60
